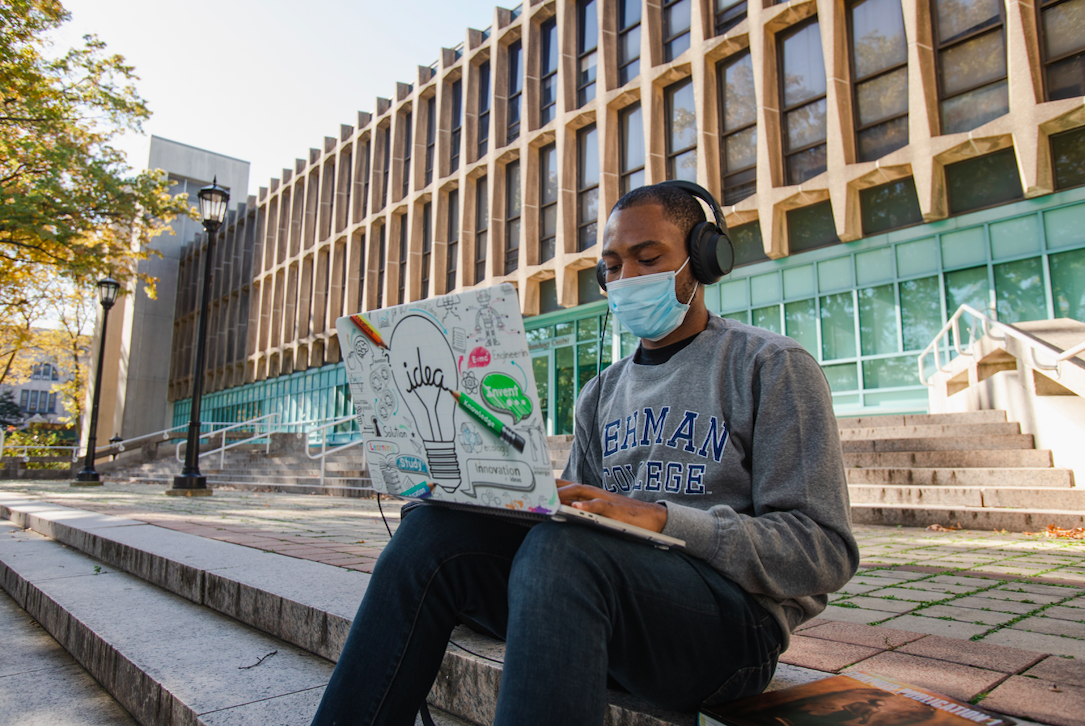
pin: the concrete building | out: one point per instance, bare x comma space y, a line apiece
880, 162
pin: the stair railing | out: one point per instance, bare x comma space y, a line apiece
163, 435
990, 325
325, 452
223, 447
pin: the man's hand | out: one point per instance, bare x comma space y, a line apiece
647, 515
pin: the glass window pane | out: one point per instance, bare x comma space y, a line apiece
965, 247
589, 157
734, 295
811, 227
765, 288
1068, 284
801, 324
874, 266
1068, 158
548, 157
628, 72
920, 312
676, 18
742, 316
1020, 289
1066, 78
837, 326
564, 390
804, 66
629, 45
630, 13
842, 377
589, 26
799, 281
975, 108
540, 366
740, 150
973, 62
739, 100
634, 180
550, 221
806, 125
890, 372
835, 274
967, 287
806, 164
1015, 237
877, 141
882, 97
957, 18
587, 68
676, 47
1063, 26
749, 247
889, 206
768, 318
1064, 226
512, 188
983, 182
685, 167
877, 28
587, 329
878, 320
683, 119
633, 138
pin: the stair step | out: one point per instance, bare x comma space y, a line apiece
984, 458
922, 432
948, 496
963, 477
981, 518
971, 417
941, 443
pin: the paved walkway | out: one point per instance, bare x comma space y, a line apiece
990, 603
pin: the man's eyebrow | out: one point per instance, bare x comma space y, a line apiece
638, 247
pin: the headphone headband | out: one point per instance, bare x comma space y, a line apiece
701, 193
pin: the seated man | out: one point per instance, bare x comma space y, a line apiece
714, 432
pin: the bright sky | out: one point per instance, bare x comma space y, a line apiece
266, 80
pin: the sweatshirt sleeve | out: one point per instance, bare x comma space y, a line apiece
797, 541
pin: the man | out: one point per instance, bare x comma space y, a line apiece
714, 432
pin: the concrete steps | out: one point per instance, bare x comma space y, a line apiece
166, 622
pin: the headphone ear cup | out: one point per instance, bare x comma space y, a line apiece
601, 274
703, 241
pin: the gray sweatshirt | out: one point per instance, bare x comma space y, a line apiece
735, 435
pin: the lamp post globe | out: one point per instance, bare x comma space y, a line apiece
107, 295
190, 482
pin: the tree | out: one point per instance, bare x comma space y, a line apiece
69, 206
10, 413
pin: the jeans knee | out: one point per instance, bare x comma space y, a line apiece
555, 558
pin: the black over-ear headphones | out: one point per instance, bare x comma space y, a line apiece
711, 255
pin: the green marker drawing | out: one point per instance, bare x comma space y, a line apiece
502, 392
487, 419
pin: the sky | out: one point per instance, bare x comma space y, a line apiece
266, 80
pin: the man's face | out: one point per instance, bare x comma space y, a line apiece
640, 241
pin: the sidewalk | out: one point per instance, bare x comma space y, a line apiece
970, 614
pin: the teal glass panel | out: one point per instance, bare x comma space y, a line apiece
563, 329
878, 320
837, 326
1020, 289
842, 377
890, 372
586, 364
1065, 227
538, 335
845, 401
566, 390
587, 329
874, 266
1015, 237
799, 281
1068, 284
920, 312
712, 297
833, 274
734, 295
983, 182
540, 366
962, 248
765, 288
967, 287
915, 400
917, 258
801, 324
742, 316
629, 344
768, 318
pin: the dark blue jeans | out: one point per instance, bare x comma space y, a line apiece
573, 604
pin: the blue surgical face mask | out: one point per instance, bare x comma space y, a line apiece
648, 305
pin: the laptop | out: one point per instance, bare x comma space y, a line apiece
445, 398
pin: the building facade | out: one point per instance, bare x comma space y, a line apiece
879, 162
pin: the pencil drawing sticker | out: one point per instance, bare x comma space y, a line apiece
503, 393
424, 371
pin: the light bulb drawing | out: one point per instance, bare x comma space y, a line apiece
425, 374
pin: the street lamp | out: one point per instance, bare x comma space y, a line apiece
190, 483
107, 294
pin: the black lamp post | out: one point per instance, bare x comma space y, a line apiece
190, 483
107, 294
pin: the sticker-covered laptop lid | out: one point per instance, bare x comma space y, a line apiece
446, 402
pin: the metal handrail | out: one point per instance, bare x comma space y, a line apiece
25, 447
324, 450
224, 446
120, 446
990, 325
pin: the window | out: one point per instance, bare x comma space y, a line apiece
749, 247
24, 400
387, 139
407, 144
365, 179
403, 247
548, 201
482, 226
879, 62
453, 239
889, 206
631, 151
676, 20
1061, 23
431, 135
729, 13
681, 132
971, 63
811, 227
516, 87
427, 246
587, 41
52, 403
457, 125
512, 216
628, 40
738, 129
802, 83
587, 186
382, 256
983, 182
548, 85
1068, 158
483, 108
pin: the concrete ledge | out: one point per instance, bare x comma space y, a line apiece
962, 477
1018, 520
